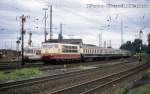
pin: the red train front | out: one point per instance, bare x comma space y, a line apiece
60, 52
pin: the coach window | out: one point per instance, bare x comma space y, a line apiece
96, 51
102, 51
56, 46
106, 52
99, 51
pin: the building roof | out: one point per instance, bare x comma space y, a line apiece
69, 41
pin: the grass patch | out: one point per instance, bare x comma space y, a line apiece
141, 90
148, 70
122, 88
119, 91
19, 74
144, 55
39, 62
144, 89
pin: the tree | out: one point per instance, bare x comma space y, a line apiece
127, 46
136, 45
145, 48
132, 46
148, 43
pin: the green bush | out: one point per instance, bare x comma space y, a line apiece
141, 90
119, 91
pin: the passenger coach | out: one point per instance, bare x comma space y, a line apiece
92, 52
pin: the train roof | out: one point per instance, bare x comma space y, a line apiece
32, 47
93, 46
67, 41
59, 44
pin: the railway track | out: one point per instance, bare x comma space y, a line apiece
22, 83
53, 78
92, 86
10, 66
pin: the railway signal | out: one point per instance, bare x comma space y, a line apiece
30, 40
23, 20
18, 42
60, 36
51, 23
140, 37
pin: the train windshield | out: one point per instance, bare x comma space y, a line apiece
28, 50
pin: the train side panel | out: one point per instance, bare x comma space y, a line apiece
60, 52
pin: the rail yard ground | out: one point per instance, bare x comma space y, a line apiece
77, 78
135, 84
14, 71
138, 84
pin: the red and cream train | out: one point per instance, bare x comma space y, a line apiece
61, 52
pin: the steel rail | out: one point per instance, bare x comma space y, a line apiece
79, 89
138, 69
21, 83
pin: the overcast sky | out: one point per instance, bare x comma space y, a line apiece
81, 18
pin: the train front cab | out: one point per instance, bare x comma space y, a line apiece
59, 52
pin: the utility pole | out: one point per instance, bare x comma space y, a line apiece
23, 20
60, 37
122, 41
45, 23
100, 39
51, 14
30, 40
109, 45
140, 37
104, 44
